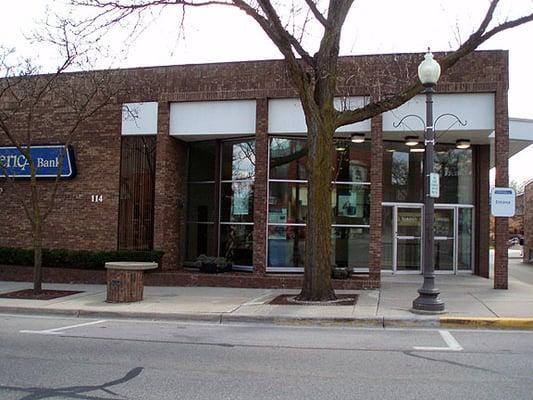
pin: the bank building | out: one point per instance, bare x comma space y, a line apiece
211, 159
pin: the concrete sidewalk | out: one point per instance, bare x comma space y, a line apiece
470, 300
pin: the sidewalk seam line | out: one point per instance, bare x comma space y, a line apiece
482, 302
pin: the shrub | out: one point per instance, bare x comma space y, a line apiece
84, 259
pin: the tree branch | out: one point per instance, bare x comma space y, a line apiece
447, 62
318, 15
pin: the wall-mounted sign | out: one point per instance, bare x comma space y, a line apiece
502, 202
45, 158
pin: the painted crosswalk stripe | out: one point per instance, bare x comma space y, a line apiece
58, 331
451, 343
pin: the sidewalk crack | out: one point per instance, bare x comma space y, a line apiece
482, 302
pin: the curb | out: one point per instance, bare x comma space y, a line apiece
495, 322
219, 318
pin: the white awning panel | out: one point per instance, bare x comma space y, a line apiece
203, 119
477, 109
287, 115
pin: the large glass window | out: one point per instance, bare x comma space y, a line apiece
455, 169
220, 210
287, 212
237, 201
464, 239
402, 174
201, 200
403, 169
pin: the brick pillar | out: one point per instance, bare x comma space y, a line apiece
170, 189
528, 222
376, 198
501, 160
261, 188
481, 155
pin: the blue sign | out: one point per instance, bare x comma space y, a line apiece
45, 158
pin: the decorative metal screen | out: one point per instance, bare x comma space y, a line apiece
137, 183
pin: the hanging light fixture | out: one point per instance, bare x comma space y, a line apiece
462, 143
340, 145
417, 150
411, 141
358, 137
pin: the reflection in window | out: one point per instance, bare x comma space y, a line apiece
286, 246
464, 240
353, 163
351, 204
236, 243
402, 174
238, 160
237, 203
455, 169
288, 158
287, 204
350, 247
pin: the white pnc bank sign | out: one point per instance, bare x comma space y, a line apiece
502, 202
46, 159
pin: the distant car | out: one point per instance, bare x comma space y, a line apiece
515, 241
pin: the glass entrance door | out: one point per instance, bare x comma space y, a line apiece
402, 238
444, 239
408, 238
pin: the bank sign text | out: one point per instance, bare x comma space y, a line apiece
45, 158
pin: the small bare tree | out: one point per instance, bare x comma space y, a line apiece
27, 101
315, 77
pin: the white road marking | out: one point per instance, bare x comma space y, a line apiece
451, 343
58, 331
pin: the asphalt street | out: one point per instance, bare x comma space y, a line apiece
75, 358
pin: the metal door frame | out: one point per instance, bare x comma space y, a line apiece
455, 210
396, 237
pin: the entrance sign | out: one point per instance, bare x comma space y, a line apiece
45, 158
434, 185
502, 202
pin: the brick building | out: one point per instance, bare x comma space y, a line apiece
210, 159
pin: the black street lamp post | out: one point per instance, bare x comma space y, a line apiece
428, 300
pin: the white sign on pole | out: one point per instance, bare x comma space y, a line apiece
434, 185
502, 202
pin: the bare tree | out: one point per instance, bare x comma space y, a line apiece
28, 101
315, 78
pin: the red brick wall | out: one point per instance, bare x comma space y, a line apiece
376, 198
75, 222
170, 191
261, 188
528, 223
501, 162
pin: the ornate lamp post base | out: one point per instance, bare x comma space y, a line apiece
428, 304
428, 301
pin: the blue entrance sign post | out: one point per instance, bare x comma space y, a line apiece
45, 158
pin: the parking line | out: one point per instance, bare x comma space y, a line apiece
451, 343
58, 331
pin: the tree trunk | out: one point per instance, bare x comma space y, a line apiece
317, 273
37, 258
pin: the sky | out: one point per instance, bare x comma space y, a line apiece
219, 34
